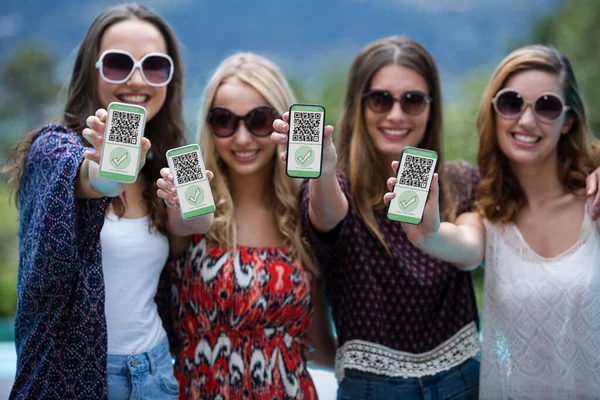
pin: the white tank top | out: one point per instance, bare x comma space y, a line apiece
132, 260
541, 317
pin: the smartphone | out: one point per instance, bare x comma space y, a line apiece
193, 189
120, 155
415, 173
305, 141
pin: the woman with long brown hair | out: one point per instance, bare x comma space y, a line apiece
244, 297
535, 227
91, 250
406, 322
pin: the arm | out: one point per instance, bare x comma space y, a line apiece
319, 334
176, 225
89, 183
328, 205
461, 243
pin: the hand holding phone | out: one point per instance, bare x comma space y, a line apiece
121, 148
414, 176
189, 176
305, 141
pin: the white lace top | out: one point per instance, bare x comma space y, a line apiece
541, 317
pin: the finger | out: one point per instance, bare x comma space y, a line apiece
434, 192
395, 165
596, 206
165, 195
146, 145
280, 126
92, 156
95, 124
165, 185
286, 116
209, 175
93, 137
283, 155
391, 182
101, 114
328, 132
388, 197
166, 174
591, 184
280, 138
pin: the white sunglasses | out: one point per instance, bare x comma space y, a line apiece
117, 66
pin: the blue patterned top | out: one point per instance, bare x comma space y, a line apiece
60, 328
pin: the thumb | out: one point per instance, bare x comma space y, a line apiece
434, 192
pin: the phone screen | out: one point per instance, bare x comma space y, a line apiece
193, 188
120, 156
415, 173
305, 141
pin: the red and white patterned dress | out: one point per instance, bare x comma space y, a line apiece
235, 323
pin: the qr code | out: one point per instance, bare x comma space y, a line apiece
416, 171
306, 126
124, 127
187, 168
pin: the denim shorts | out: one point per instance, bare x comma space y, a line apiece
142, 376
458, 383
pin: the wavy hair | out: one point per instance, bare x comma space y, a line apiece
264, 77
165, 130
499, 194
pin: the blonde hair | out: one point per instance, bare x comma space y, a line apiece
499, 194
264, 77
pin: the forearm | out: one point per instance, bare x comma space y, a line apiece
178, 226
91, 185
460, 245
327, 205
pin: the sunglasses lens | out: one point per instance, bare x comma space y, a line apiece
222, 122
116, 66
380, 101
509, 104
157, 69
413, 103
548, 107
260, 121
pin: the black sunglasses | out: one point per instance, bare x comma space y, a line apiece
413, 102
547, 107
259, 121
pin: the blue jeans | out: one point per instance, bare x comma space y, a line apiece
459, 383
142, 376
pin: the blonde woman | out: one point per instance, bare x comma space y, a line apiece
541, 314
243, 294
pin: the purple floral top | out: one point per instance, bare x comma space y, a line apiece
407, 314
60, 329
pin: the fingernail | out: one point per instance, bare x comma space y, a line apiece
173, 190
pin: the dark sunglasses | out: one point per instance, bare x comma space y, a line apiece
412, 102
117, 66
548, 107
259, 121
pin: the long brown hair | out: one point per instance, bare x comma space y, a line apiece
499, 194
359, 159
266, 78
164, 131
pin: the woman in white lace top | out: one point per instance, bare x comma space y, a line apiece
535, 226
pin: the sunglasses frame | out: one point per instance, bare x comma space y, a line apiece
237, 120
427, 100
526, 104
136, 64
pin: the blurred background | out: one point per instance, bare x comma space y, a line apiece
313, 41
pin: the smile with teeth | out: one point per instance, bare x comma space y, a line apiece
245, 154
395, 132
526, 138
134, 98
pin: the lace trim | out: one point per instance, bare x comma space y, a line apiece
381, 360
